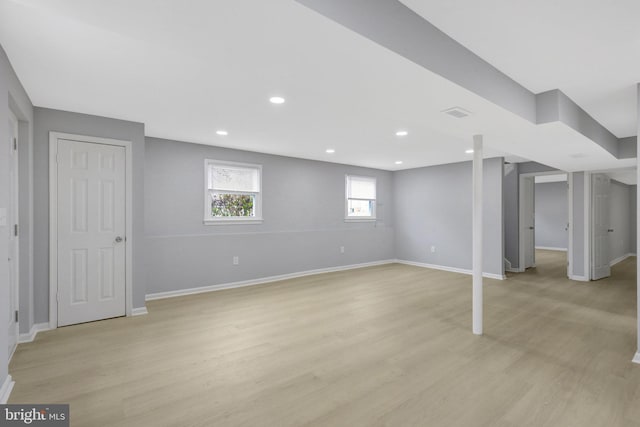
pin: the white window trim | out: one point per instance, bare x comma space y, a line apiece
348, 218
229, 220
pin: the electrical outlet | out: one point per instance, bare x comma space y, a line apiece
236, 260
433, 249
341, 249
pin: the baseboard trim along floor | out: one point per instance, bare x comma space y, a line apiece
260, 281
263, 280
5, 390
31, 335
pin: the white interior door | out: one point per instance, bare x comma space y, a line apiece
91, 227
527, 193
600, 185
12, 221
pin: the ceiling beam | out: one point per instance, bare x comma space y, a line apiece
393, 25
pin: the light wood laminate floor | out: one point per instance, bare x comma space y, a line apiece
388, 345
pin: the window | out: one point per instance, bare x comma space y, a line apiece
232, 192
361, 198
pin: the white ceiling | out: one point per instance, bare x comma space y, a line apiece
589, 49
188, 71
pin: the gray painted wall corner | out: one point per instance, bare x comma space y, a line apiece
429, 214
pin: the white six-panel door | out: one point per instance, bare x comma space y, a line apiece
12, 221
91, 231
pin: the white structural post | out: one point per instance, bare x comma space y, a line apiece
477, 235
637, 219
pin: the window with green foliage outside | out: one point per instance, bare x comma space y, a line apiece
233, 191
232, 205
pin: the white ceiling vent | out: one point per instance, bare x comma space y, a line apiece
457, 112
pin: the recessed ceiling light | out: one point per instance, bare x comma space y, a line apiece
402, 133
222, 132
276, 100
398, 162
469, 151
330, 150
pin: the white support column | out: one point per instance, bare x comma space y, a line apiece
636, 358
477, 235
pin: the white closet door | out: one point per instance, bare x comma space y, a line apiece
91, 227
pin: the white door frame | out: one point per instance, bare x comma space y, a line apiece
587, 226
16, 221
53, 218
570, 226
521, 235
521, 179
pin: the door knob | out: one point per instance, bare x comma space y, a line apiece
610, 230
530, 228
118, 239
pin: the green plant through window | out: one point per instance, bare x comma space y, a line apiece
226, 205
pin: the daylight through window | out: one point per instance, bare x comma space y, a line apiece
361, 197
233, 191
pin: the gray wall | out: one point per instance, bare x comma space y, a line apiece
551, 215
303, 228
619, 220
433, 208
47, 120
14, 98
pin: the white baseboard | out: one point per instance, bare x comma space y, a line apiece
139, 311
450, 269
551, 248
578, 278
5, 390
259, 281
513, 270
620, 259
636, 358
31, 335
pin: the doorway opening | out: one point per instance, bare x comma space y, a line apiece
545, 232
